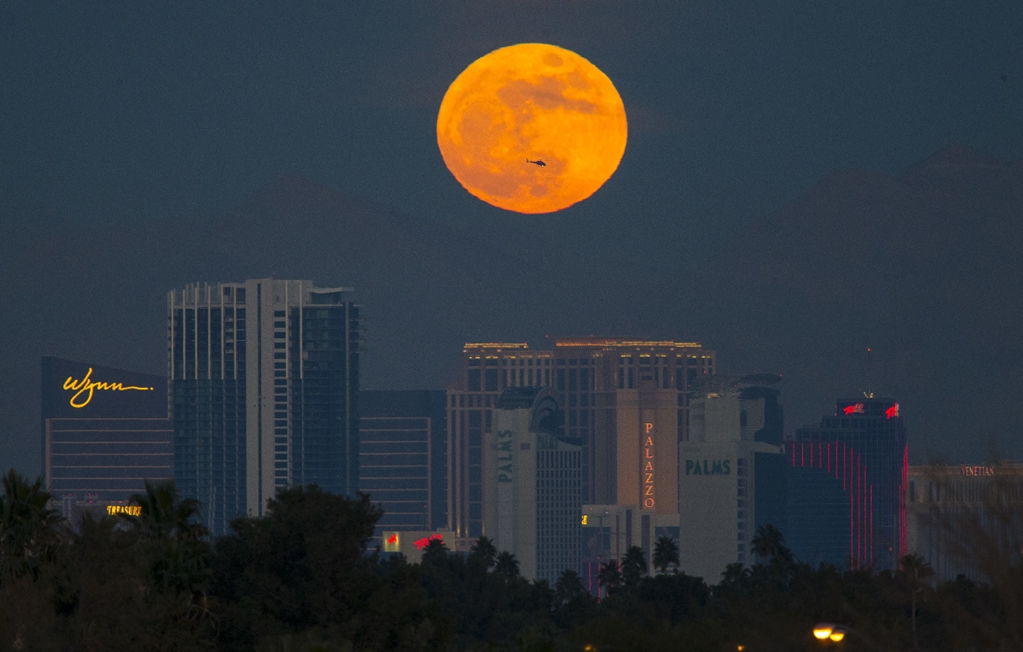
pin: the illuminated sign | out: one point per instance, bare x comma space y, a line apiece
708, 467
893, 411
856, 408
392, 542
84, 388
586, 519
128, 510
648, 466
977, 471
504, 456
425, 541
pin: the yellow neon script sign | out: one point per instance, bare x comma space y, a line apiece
86, 386
130, 510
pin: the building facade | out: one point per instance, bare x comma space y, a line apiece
847, 486
264, 377
732, 473
105, 432
402, 454
609, 530
611, 391
532, 492
966, 519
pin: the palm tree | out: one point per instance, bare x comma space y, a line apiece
769, 543
665, 553
169, 528
163, 514
916, 570
735, 576
29, 530
568, 586
507, 565
485, 551
435, 553
609, 576
633, 565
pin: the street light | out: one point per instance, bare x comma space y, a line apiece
829, 631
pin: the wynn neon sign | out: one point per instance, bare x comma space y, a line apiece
84, 388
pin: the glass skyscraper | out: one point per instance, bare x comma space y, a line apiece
847, 487
264, 377
402, 444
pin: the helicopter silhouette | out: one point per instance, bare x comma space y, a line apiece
537, 163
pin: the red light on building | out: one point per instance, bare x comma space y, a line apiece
425, 541
893, 411
393, 539
856, 408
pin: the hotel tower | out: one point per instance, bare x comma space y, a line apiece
264, 381
624, 400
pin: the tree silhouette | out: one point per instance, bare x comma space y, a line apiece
29, 530
435, 552
916, 570
507, 565
633, 566
665, 553
769, 544
568, 586
485, 551
609, 576
169, 527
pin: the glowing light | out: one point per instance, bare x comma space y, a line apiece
837, 635
586, 519
425, 541
87, 386
853, 409
823, 631
128, 510
893, 411
534, 102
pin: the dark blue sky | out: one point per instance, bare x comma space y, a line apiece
150, 109
154, 111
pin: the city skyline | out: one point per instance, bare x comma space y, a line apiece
784, 198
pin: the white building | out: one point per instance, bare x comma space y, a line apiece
532, 493
731, 473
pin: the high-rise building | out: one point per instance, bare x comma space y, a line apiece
402, 455
105, 432
732, 473
847, 487
532, 493
608, 531
966, 519
264, 377
624, 400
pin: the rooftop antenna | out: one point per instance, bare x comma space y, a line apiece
868, 393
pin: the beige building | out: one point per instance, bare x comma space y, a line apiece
531, 490
965, 519
609, 530
625, 400
731, 473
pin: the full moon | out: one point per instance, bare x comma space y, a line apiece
532, 128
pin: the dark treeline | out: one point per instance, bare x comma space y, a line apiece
302, 579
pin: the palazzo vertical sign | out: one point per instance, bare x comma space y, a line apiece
648, 466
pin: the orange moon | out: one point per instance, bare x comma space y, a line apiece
524, 105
